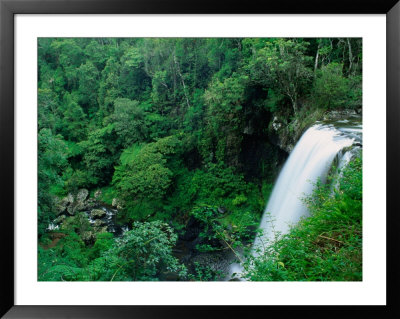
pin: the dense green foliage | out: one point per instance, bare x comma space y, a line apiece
51, 161
141, 254
174, 129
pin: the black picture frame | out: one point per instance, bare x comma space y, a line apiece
8, 8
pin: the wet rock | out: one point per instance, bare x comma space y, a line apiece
97, 213
168, 276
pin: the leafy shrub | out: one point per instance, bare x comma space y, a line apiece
239, 200
332, 90
145, 251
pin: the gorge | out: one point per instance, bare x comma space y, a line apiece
157, 158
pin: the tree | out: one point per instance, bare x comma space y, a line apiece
129, 122
225, 101
144, 177
73, 124
109, 88
97, 51
146, 251
52, 160
331, 88
47, 109
69, 56
99, 155
284, 66
143, 173
88, 77
133, 79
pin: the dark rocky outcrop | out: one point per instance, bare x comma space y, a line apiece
285, 133
71, 204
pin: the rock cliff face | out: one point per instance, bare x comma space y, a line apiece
88, 211
285, 133
281, 135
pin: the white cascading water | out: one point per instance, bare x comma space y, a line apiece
310, 160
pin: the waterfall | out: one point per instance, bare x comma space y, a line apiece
310, 160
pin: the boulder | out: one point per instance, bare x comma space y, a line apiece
71, 205
82, 195
97, 213
76, 207
98, 223
61, 205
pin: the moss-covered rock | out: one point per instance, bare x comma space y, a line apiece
97, 213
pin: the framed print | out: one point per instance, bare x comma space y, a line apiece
167, 159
